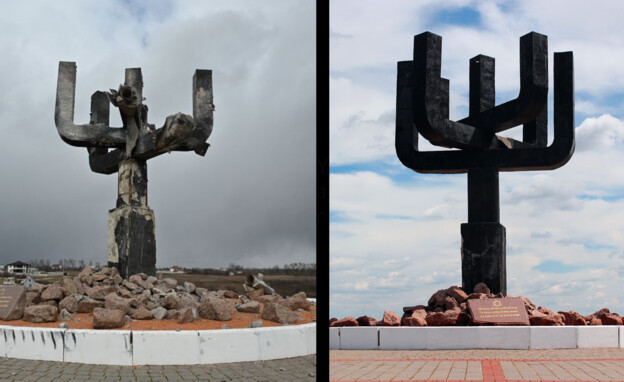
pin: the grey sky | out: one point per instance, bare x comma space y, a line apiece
250, 200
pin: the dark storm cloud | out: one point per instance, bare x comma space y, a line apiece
250, 200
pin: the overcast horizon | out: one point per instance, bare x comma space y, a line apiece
395, 234
251, 200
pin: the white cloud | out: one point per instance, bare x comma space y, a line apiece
599, 133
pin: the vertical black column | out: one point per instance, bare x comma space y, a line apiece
483, 237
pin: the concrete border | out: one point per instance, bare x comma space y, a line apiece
153, 347
476, 337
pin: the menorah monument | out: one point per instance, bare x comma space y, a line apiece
423, 108
125, 151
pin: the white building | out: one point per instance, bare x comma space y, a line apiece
18, 267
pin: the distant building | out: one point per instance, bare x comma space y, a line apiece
176, 269
18, 267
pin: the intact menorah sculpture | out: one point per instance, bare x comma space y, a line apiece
423, 107
125, 150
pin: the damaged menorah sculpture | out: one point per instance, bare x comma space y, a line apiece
423, 107
131, 239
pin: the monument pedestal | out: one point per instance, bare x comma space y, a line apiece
131, 238
483, 256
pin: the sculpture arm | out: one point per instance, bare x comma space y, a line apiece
98, 135
516, 159
533, 89
430, 102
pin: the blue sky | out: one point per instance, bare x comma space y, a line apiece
395, 234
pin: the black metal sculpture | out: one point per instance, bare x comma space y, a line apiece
422, 107
131, 239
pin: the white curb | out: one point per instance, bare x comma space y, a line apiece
481, 337
157, 347
111, 347
44, 344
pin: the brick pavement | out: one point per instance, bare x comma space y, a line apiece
289, 369
480, 365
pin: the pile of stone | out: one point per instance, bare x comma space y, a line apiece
448, 307
114, 300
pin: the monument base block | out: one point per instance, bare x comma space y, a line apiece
131, 240
483, 256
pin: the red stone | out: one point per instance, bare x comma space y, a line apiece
593, 320
450, 303
546, 320
482, 288
347, 321
463, 319
611, 319
545, 310
457, 293
438, 298
414, 321
421, 314
602, 312
527, 304
366, 321
477, 296
390, 319
448, 318
413, 308
573, 318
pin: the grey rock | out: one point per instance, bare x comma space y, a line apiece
33, 297
40, 313
159, 313
112, 301
185, 315
170, 301
256, 324
87, 305
142, 313
108, 318
189, 287
278, 313
129, 285
69, 304
215, 309
100, 292
53, 292
172, 313
297, 301
64, 315
249, 307
138, 280
171, 283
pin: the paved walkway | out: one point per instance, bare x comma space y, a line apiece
480, 365
290, 369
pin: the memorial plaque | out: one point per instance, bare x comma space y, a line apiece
12, 302
500, 311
